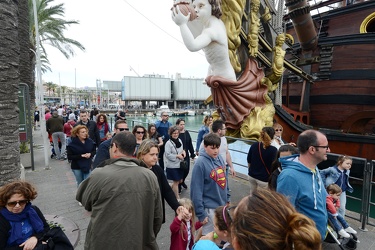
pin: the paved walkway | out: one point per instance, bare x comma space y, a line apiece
57, 188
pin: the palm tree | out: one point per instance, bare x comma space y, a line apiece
49, 86
63, 92
9, 80
51, 26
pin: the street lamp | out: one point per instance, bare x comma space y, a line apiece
46, 143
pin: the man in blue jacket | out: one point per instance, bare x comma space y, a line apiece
162, 127
300, 180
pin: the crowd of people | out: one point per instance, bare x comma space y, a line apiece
126, 185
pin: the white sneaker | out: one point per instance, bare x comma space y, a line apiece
344, 234
80, 204
350, 230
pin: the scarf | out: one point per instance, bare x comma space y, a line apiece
82, 148
15, 233
176, 142
106, 128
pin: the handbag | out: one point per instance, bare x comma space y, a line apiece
56, 239
183, 164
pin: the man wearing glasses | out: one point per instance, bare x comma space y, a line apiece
300, 180
102, 153
162, 127
124, 200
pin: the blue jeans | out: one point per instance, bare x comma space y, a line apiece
80, 176
335, 221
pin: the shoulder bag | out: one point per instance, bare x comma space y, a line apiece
183, 164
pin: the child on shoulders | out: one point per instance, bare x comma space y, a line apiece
333, 204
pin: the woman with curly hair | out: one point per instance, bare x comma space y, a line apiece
260, 157
80, 152
103, 127
21, 224
267, 220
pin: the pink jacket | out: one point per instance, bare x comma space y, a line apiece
332, 205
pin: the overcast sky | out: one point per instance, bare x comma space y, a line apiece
118, 34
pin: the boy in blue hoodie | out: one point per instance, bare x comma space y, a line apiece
208, 182
300, 180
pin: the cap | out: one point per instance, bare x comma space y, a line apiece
72, 117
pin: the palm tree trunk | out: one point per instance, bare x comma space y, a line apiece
9, 80
26, 70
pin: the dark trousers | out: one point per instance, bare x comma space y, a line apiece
161, 157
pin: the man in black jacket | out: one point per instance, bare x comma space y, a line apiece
91, 125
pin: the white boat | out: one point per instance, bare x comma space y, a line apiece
191, 112
163, 108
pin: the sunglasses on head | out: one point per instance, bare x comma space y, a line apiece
122, 129
14, 203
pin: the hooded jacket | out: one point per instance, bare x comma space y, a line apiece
305, 190
208, 184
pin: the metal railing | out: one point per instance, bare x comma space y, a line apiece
366, 178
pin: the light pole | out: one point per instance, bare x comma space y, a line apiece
46, 144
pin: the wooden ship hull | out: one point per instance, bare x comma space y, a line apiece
339, 98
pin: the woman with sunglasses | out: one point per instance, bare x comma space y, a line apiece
140, 134
277, 140
21, 224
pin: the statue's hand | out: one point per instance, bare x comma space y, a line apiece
178, 17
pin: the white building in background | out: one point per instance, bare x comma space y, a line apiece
176, 93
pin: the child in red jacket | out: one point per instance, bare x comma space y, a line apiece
183, 226
333, 204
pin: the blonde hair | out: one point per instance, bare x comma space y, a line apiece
267, 220
145, 148
188, 204
343, 158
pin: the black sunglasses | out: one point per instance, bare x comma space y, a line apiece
14, 203
122, 129
140, 132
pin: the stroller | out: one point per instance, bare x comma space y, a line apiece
343, 243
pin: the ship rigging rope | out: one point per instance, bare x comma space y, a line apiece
160, 28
